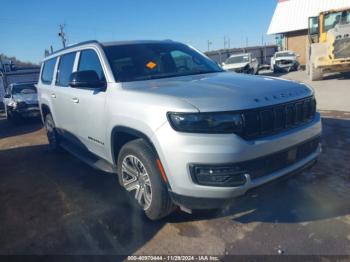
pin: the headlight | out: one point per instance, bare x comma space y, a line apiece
218, 123
12, 104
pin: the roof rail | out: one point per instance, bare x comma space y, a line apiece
76, 45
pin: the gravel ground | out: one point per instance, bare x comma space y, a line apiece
54, 204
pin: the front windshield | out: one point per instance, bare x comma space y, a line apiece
332, 19
237, 59
136, 62
23, 89
283, 54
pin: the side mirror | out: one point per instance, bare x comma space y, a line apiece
254, 60
86, 79
7, 96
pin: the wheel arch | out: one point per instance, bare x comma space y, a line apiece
45, 109
121, 135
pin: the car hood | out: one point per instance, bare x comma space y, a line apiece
291, 58
27, 98
224, 91
234, 66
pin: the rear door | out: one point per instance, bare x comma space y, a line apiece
89, 107
46, 84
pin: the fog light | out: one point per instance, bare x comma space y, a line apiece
218, 176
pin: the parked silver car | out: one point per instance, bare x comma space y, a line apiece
20, 101
284, 61
242, 63
176, 128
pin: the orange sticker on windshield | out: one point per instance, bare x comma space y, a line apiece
151, 65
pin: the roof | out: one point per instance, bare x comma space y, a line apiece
136, 42
24, 83
106, 44
240, 54
292, 15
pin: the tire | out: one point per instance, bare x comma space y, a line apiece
12, 117
9, 116
150, 192
51, 132
315, 73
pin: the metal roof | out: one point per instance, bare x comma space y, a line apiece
292, 15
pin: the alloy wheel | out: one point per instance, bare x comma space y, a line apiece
135, 178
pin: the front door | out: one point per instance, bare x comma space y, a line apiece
89, 106
61, 97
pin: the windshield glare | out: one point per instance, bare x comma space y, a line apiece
333, 19
237, 59
136, 62
285, 54
23, 89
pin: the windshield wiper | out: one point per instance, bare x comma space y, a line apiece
200, 72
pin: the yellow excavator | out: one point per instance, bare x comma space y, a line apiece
329, 43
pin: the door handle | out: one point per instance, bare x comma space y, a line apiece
75, 100
53, 95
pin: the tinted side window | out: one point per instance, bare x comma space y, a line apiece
65, 69
90, 61
48, 68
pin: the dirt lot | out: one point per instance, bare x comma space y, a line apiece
54, 204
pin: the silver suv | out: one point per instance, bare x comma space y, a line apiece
176, 128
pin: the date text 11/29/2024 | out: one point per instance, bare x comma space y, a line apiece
173, 258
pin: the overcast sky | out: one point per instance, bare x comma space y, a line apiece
28, 27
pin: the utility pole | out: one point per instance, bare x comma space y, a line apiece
209, 44
262, 49
1, 65
62, 35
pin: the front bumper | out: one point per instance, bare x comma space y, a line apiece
242, 70
194, 203
25, 111
178, 151
286, 67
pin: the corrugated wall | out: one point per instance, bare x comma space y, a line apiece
262, 53
297, 42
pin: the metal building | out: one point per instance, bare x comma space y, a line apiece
290, 22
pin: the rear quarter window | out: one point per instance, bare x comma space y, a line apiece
65, 69
47, 72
